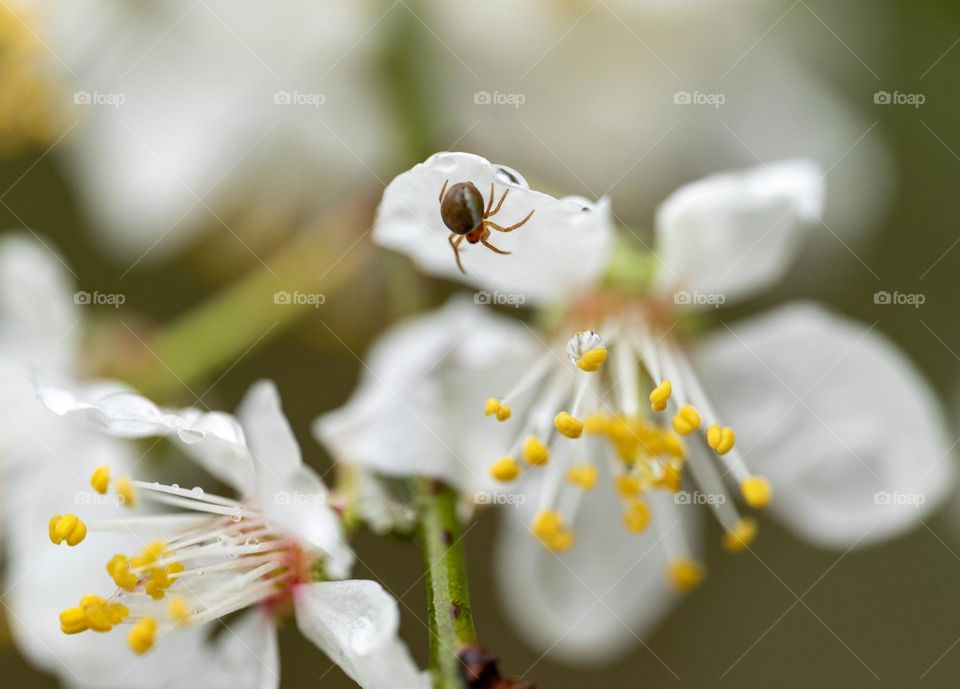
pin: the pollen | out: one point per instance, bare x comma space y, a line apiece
100, 479
119, 570
547, 524
740, 536
143, 635
687, 420
505, 469
685, 574
583, 476
628, 486
127, 491
179, 610
636, 518
671, 477
535, 453
494, 407
67, 528
720, 439
660, 396
592, 359
568, 425
756, 491
561, 541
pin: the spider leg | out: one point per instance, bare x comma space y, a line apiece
493, 248
490, 204
456, 250
443, 190
499, 204
512, 227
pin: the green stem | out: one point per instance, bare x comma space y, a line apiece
217, 333
448, 598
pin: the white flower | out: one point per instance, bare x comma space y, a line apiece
201, 111
616, 430
201, 559
570, 233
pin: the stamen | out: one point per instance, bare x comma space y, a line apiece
67, 527
756, 492
685, 574
143, 635
587, 351
687, 420
494, 407
637, 516
660, 396
125, 489
535, 453
100, 479
740, 537
720, 439
505, 469
568, 425
583, 476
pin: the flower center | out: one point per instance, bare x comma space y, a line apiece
216, 556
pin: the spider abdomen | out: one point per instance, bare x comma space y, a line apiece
462, 208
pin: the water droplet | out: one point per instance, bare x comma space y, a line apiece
197, 490
175, 486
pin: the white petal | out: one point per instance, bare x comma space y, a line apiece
290, 493
356, 623
735, 233
419, 407
244, 656
589, 606
862, 453
560, 251
37, 310
214, 439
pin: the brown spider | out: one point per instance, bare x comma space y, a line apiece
462, 211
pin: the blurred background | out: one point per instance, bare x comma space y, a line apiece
169, 150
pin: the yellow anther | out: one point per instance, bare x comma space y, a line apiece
503, 413
67, 527
175, 568
100, 479
92, 601
116, 612
687, 420
561, 541
740, 536
628, 486
98, 619
592, 359
685, 574
179, 610
119, 570
505, 469
673, 445
535, 453
583, 476
143, 635
596, 423
720, 439
637, 516
568, 425
661, 395
491, 406
671, 478
73, 621
756, 491
546, 525
126, 490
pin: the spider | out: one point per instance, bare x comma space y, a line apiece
462, 211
